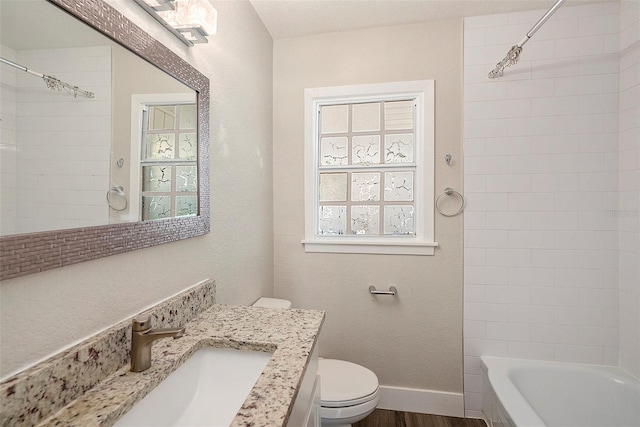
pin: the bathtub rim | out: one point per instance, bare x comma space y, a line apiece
507, 395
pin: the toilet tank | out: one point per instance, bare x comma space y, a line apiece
272, 303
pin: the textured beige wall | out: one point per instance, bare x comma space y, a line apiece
414, 340
42, 313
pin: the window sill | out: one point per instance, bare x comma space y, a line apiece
358, 246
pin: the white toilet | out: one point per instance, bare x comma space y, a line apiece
348, 392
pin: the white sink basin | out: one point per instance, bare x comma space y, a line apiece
207, 390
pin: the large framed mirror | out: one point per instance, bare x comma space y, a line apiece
110, 157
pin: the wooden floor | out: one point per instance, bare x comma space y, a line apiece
384, 418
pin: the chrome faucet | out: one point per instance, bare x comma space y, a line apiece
142, 336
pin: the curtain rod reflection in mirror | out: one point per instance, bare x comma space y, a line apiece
51, 82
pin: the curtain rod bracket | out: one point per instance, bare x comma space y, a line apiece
514, 53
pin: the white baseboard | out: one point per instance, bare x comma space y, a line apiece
421, 401
477, 414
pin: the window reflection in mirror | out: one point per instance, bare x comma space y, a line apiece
169, 167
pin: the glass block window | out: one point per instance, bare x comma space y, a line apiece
168, 163
369, 168
367, 163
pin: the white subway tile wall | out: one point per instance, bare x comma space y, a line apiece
8, 148
551, 224
628, 212
55, 155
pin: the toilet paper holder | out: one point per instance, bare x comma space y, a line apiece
392, 291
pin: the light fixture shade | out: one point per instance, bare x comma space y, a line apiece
160, 4
192, 14
190, 20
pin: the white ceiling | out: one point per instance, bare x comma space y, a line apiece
283, 18
295, 18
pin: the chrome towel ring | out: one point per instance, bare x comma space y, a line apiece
123, 202
450, 191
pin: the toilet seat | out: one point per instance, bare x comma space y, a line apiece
347, 403
348, 414
345, 384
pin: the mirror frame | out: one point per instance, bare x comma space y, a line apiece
35, 252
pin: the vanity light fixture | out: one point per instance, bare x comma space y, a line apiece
189, 20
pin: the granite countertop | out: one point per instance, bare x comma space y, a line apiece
290, 334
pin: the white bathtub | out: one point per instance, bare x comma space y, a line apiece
519, 393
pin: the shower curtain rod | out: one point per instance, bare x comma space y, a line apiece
51, 82
514, 53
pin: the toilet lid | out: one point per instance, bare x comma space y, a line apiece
345, 383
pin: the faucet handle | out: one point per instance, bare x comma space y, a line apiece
141, 324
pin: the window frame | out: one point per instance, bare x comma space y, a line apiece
422, 243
